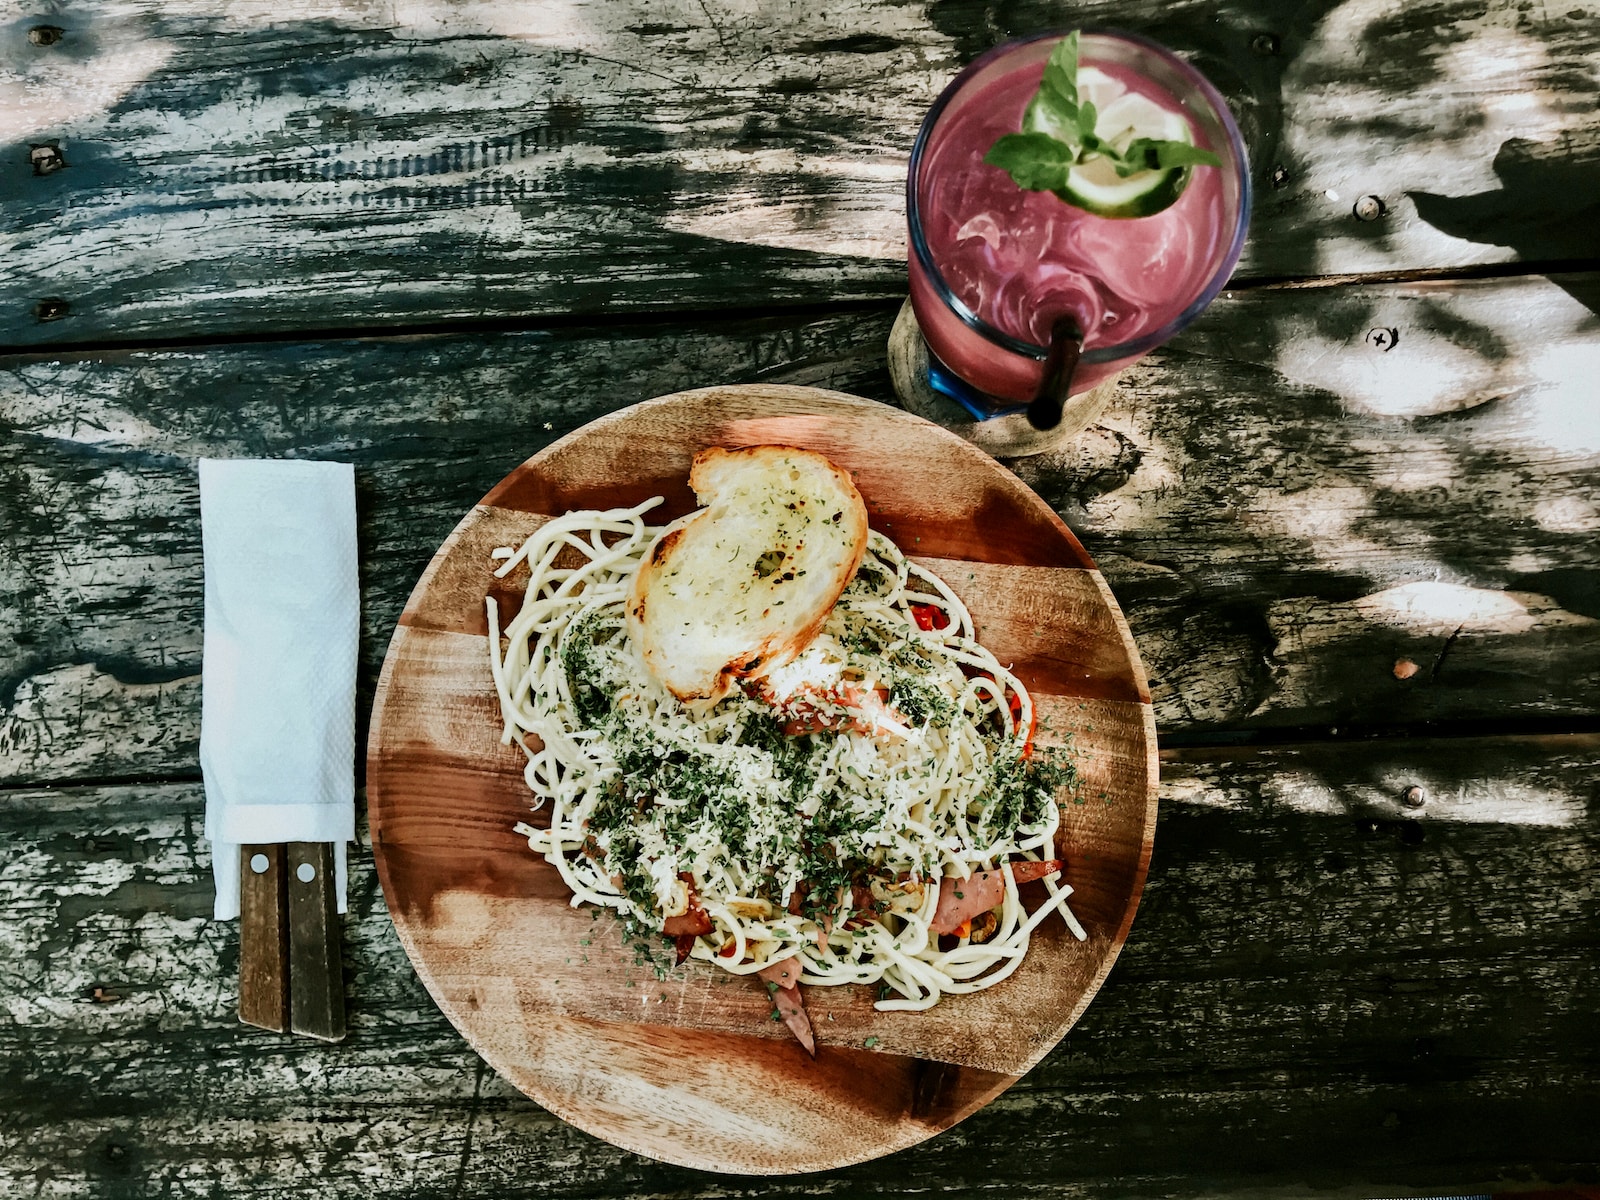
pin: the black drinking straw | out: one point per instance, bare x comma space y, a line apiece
1066, 345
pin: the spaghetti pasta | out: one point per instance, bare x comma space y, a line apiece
814, 815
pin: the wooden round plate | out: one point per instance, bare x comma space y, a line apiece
688, 1067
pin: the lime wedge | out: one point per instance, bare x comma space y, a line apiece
1131, 115
1120, 117
1096, 187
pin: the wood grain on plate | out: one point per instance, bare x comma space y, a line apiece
687, 1066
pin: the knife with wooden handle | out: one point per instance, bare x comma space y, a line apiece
290, 978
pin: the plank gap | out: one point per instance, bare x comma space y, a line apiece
1457, 730
582, 322
1548, 268
710, 318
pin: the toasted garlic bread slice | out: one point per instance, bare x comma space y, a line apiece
743, 584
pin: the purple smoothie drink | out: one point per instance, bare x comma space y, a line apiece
994, 267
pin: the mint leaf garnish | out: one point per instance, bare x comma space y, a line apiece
1061, 72
1047, 113
1036, 161
1054, 107
1058, 134
1086, 119
1152, 154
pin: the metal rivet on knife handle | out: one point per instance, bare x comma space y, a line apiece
263, 938
316, 980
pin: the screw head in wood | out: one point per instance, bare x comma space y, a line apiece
1414, 796
1265, 44
46, 158
1383, 337
1369, 208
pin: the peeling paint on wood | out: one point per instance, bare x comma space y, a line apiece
1363, 967
1283, 522
1339, 989
1277, 545
304, 165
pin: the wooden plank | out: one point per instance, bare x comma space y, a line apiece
306, 165
1284, 511
106, 532
1334, 985
1401, 510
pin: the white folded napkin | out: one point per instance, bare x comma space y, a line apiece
283, 611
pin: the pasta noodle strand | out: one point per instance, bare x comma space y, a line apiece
811, 816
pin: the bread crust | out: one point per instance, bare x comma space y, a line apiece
745, 583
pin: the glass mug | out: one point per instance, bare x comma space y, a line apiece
998, 273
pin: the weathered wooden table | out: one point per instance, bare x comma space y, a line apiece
1352, 516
